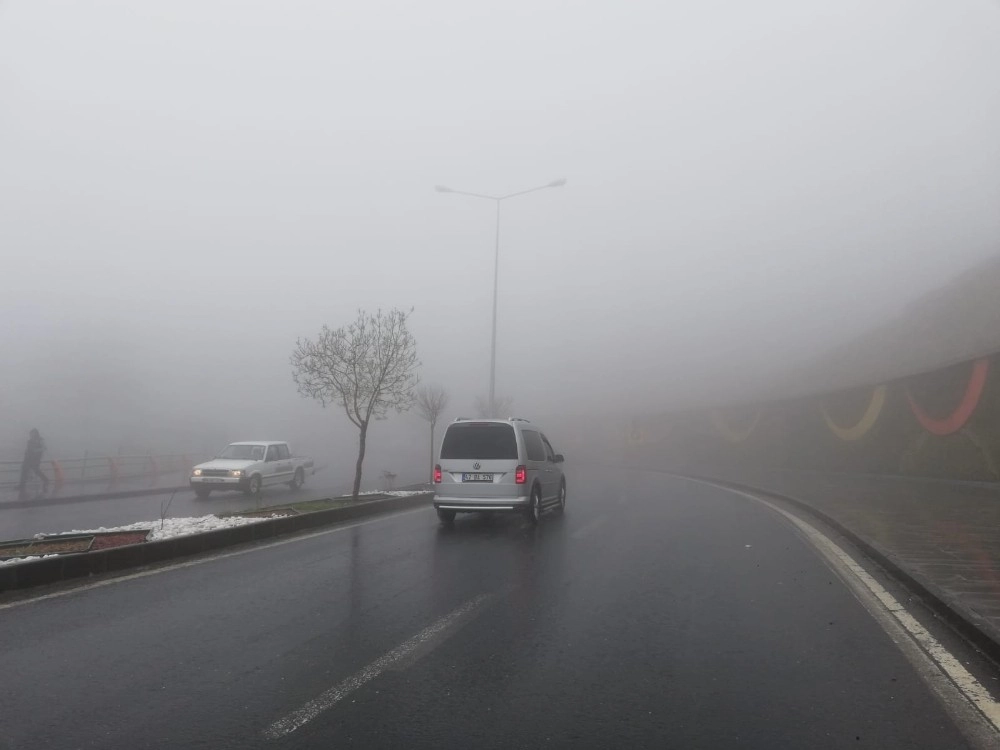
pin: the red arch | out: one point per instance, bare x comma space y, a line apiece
957, 419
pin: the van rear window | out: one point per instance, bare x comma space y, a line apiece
482, 440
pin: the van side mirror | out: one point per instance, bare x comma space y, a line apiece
558, 458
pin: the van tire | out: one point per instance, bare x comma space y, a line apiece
534, 510
447, 517
561, 502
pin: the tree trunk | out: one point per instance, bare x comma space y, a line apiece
362, 436
432, 453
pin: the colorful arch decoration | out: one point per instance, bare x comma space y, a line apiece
957, 419
863, 425
730, 434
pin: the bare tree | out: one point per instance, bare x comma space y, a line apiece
501, 407
389, 479
431, 401
367, 367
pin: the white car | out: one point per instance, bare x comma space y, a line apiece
249, 467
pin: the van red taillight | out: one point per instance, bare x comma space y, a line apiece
521, 475
437, 474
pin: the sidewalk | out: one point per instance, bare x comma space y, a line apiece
82, 491
946, 535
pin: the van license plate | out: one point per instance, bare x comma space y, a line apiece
477, 477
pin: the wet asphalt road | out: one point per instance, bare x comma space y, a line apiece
656, 613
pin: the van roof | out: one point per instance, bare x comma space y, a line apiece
508, 420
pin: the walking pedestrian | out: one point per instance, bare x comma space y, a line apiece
32, 463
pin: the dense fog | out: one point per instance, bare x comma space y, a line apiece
187, 188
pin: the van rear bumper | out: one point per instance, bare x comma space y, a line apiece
470, 504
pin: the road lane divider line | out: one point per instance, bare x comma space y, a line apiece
203, 560
432, 634
973, 708
588, 528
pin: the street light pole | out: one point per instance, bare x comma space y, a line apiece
498, 199
493, 342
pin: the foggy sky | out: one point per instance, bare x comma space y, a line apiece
187, 187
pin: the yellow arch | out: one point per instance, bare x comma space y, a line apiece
863, 425
734, 436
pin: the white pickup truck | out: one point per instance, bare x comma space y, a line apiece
251, 466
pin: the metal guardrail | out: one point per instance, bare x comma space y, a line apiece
109, 470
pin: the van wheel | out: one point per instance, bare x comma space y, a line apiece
534, 510
447, 517
298, 480
561, 504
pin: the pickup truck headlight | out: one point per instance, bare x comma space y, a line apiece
196, 472
236, 473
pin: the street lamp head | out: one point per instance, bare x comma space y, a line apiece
557, 183
443, 189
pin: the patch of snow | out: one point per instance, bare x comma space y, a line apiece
173, 527
395, 493
15, 560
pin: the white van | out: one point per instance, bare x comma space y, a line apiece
497, 465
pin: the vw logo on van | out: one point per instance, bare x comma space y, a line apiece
477, 465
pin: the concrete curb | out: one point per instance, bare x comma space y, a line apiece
963, 621
67, 567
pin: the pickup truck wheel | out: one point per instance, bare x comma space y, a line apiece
298, 480
202, 492
253, 486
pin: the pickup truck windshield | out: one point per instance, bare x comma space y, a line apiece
244, 452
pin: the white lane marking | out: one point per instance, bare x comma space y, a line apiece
589, 527
326, 700
203, 560
903, 628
